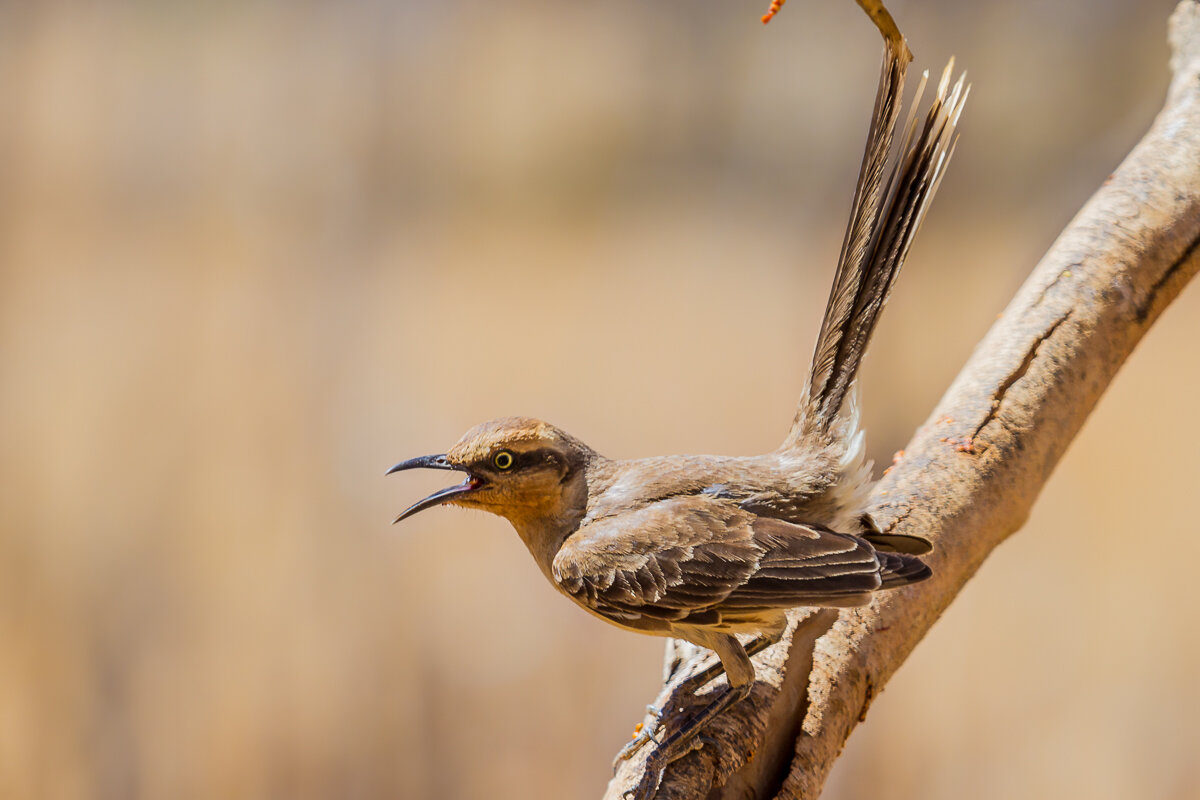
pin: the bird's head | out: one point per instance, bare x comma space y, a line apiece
523, 469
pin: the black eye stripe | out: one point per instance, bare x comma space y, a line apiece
531, 459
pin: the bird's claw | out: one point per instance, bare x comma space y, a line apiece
643, 734
640, 740
656, 764
630, 750
648, 784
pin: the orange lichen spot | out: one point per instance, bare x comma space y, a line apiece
637, 729
773, 10
961, 444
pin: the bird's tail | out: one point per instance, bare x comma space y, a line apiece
901, 569
884, 219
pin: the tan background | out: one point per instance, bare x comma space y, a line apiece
251, 254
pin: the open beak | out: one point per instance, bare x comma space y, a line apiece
437, 498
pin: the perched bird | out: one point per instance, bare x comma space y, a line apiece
706, 547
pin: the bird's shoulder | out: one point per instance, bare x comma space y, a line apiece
667, 528
661, 558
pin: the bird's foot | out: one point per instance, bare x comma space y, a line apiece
675, 696
646, 787
643, 733
656, 764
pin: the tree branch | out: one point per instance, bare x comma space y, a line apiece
971, 474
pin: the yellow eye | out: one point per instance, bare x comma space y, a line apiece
503, 460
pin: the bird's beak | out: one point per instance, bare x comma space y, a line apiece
437, 498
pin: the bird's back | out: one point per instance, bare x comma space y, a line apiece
801, 485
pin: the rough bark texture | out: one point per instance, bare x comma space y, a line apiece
971, 474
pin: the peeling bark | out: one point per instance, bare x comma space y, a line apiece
971, 474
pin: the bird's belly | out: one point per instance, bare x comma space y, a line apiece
650, 626
748, 623
641, 624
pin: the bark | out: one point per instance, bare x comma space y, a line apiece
971, 474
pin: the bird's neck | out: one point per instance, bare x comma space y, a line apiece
543, 537
544, 528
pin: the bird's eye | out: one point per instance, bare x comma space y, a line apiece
503, 460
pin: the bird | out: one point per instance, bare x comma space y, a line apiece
707, 548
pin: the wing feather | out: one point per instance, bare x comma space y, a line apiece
690, 558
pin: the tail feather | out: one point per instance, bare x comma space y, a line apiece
864, 214
899, 543
901, 569
884, 220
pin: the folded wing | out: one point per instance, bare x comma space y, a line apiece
697, 559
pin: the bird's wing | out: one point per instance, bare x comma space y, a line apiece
807, 565
691, 559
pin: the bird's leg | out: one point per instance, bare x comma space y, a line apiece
682, 741
694, 683
678, 658
647, 730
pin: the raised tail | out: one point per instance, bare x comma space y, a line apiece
884, 220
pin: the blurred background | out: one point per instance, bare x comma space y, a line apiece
254, 253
